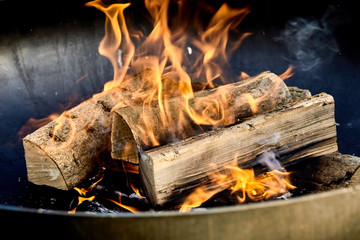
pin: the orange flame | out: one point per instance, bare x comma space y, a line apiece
164, 52
162, 56
116, 35
33, 124
82, 194
66, 126
169, 73
243, 184
87, 194
287, 74
129, 208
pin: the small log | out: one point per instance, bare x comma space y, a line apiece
66, 151
302, 130
217, 107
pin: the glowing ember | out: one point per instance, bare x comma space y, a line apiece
93, 194
82, 195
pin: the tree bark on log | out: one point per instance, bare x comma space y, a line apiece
302, 130
64, 152
67, 150
220, 106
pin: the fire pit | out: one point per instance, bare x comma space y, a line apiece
48, 66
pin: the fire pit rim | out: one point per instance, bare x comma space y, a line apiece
173, 213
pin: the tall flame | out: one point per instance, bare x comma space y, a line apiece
116, 36
164, 51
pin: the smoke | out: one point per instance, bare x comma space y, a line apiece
268, 159
309, 41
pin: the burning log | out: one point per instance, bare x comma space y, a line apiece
302, 130
64, 152
137, 128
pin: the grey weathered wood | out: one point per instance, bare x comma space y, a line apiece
64, 152
304, 129
298, 94
67, 150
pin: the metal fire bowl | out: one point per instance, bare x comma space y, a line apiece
50, 58
329, 215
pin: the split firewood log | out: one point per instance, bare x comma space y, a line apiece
217, 107
66, 151
302, 130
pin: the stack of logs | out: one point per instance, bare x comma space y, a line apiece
289, 121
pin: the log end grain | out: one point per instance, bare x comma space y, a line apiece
69, 149
123, 145
42, 170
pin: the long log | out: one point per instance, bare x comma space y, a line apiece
302, 130
229, 103
66, 151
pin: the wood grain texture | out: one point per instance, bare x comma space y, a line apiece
302, 130
66, 151
128, 137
